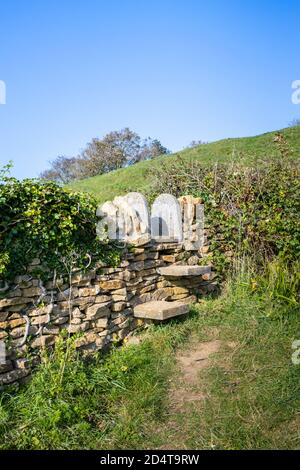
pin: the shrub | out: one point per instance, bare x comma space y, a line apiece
41, 219
248, 210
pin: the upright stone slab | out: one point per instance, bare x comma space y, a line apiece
139, 214
166, 220
126, 218
193, 222
108, 225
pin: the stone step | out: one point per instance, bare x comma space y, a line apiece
160, 310
184, 271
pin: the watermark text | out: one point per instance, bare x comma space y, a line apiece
2, 92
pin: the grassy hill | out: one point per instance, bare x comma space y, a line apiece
138, 177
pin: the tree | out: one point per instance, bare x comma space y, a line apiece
63, 170
128, 142
100, 157
117, 149
153, 149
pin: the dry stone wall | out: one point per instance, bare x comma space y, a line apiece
99, 305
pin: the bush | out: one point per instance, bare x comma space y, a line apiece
41, 219
248, 210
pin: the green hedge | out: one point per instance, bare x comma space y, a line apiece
41, 219
249, 210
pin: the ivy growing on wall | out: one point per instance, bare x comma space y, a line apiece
42, 220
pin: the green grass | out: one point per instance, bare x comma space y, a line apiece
139, 177
124, 400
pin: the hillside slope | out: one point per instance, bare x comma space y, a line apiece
139, 177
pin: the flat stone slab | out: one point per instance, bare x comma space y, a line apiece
184, 271
160, 310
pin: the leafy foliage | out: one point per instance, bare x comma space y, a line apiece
116, 150
248, 209
40, 219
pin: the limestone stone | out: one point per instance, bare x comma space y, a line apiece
40, 320
19, 332
78, 328
121, 292
83, 279
179, 296
42, 341
169, 258
102, 333
153, 255
125, 323
100, 299
160, 310
112, 285
141, 257
127, 275
101, 323
32, 291
149, 272
50, 330
138, 251
189, 300
204, 250
149, 288
47, 309
161, 294
118, 306
182, 271
174, 247
139, 299
15, 301
77, 313
193, 261
97, 311
166, 220
4, 316
82, 302
86, 339
123, 333
88, 291
60, 321
119, 298
164, 283
138, 266
134, 283
22, 363
150, 264
101, 341
180, 290
14, 293
6, 367
13, 376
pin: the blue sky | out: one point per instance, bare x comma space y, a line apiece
176, 70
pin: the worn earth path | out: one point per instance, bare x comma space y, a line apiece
188, 390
